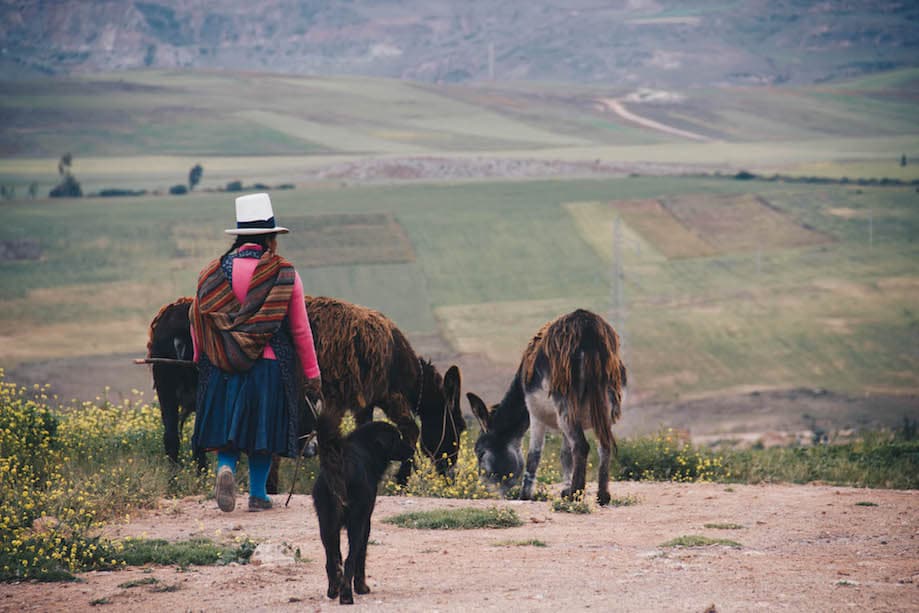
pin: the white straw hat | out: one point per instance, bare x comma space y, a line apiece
254, 215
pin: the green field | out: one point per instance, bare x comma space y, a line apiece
145, 129
727, 285
485, 264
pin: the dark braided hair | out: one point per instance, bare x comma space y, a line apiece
255, 239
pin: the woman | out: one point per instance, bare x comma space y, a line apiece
254, 349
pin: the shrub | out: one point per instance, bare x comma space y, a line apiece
194, 176
664, 457
69, 187
64, 470
113, 192
426, 481
879, 459
234, 186
178, 190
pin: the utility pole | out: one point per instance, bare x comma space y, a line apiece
871, 228
491, 61
618, 280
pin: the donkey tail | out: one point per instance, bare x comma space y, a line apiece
596, 375
331, 458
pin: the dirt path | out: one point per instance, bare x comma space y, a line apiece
617, 107
803, 548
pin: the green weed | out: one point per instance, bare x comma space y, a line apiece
624, 501
522, 543
697, 540
138, 582
577, 504
194, 552
457, 519
724, 526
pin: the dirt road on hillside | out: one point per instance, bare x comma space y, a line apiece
803, 548
617, 107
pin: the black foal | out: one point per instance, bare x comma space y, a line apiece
345, 492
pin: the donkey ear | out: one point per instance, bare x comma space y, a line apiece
481, 412
452, 384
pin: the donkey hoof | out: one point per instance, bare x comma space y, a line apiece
603, 498
346, 597
361, 588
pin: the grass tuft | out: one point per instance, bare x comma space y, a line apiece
522, 543
138, 582
624, 501
866, 503
194, 552
457, 519
697, 540
173, 587
718, 526
577, 504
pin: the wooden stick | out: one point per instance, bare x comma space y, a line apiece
309, 437
164, 361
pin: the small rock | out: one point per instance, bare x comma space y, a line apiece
275, 554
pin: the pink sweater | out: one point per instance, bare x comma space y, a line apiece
300, 331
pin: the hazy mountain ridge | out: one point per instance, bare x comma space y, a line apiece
641, 42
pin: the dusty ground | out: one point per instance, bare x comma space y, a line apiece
804, 548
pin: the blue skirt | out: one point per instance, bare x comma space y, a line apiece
244, 411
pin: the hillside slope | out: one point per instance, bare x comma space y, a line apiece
636, 42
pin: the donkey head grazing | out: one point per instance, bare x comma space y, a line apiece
441, 418
499, 455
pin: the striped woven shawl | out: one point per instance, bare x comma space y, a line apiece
233, 335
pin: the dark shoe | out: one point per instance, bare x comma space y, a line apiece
259, 504
225, 492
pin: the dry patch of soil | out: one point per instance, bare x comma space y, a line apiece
803, 548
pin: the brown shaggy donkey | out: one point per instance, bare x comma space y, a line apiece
176, 386
570, 379
365, 361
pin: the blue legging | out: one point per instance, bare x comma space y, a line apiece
259, 465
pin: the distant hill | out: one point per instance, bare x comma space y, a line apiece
670, 43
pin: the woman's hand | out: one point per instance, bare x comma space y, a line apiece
312, 389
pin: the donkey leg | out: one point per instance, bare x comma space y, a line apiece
603, 496
565, 458
200, 454
579, 449
355, 530
534, 453
360, 565
169, 413
330, 533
